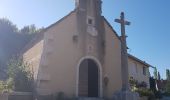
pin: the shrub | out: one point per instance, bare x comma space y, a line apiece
20, 75
6, 86
142, 85
158, 94
166, 94
59, 96
2, 86
134, 84
144, 92
168, 87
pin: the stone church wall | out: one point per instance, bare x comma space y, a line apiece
58, 64
112, 65
33, 56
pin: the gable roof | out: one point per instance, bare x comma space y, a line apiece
52, 25
138, 60
40, 36
111, 28
37, 38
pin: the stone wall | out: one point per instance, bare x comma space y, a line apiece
3, 96
143, 98
16, 96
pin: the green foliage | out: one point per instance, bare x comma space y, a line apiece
145, 92
7, 26
158, 94
59, 96
166, 94
22, 77
2, 86
13, 40
141, 88
168, 87
159, 76
155, 73
6, 86
10, 84
152, 84
168, 74
134, 84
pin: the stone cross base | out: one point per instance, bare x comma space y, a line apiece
126, 95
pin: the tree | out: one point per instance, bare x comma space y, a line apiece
159, 76
155, 73
12, 41
168, 87
168, 74
8, 40
152, 84
6, 26
2, 86
21, 75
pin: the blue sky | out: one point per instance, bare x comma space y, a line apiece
148, 35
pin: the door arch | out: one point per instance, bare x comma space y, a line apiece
89, 78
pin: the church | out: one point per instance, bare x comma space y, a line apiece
80, 55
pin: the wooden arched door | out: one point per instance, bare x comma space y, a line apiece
88, 79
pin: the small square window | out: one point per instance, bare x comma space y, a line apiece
144, 70
90, 21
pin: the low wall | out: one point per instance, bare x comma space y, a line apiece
143, 98
16, 96
3, 96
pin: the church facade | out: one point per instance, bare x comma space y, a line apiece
80, 55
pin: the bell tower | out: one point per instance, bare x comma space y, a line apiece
92, 7
90, 27
90, 36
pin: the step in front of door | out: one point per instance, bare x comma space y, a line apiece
90, 98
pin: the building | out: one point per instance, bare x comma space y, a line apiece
139, 70
79, 55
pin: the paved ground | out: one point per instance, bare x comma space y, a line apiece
166, 98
